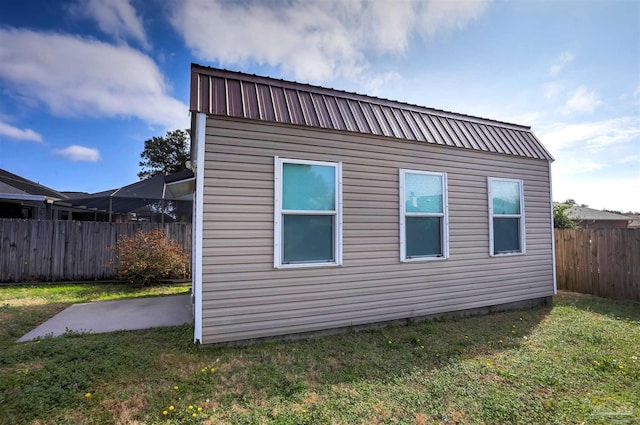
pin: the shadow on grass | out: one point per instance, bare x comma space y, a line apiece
385, 354
616, 309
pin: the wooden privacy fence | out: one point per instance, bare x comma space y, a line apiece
602, 262
47, 250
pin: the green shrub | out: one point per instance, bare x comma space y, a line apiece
148, 257
560, 218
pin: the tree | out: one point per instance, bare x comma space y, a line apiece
560, 218
168, 154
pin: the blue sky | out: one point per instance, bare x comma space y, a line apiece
84, 82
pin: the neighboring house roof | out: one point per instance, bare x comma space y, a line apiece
126, 198
583, 213
234, 94
13, 186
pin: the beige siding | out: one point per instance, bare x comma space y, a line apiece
245, 297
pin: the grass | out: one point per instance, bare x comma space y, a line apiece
575, 362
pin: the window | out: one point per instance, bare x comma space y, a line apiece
307, 213
424, 229
506, 217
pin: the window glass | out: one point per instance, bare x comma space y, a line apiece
423, 193
506, 233
308, 187
423, 236
307, 238
307, 213
506, 197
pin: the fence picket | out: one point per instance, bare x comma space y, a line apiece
602, 262
46, 250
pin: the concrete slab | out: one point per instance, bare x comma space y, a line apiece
109, 316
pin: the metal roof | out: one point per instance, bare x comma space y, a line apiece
234, 94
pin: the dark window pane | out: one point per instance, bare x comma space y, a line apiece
423, 236
506, 235
307, 238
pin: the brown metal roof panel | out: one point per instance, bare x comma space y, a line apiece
537, 146
404, 126
422, 126
378, 116
438, 137
218, 96
486, 138
446, 133
460, 125
372, 122
393, 122
234, 98
204, 93
280, 105
347, 115
250, 99
531, 147
358, 116
498, 140
453, 124
334, 113
525, 143
195, 99
321, 110
477, 138
308, 109
510, 141
413, 127
533, 144
295, 106
474, 135
266, 103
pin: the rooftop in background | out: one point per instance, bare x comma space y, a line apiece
234, 94
577, 213
13, 184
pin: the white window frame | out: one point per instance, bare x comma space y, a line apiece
523, 244
279, 212
445, 217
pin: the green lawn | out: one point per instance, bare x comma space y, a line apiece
577, 362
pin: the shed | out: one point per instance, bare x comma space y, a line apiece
318, 209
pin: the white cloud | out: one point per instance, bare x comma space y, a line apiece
583, 100
114, 17
552, 91
561, 62
76, 76
592, 135
19, 134
313, 40
79, 153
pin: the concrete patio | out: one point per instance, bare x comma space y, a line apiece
109, 316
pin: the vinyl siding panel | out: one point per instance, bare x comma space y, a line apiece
245, 297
